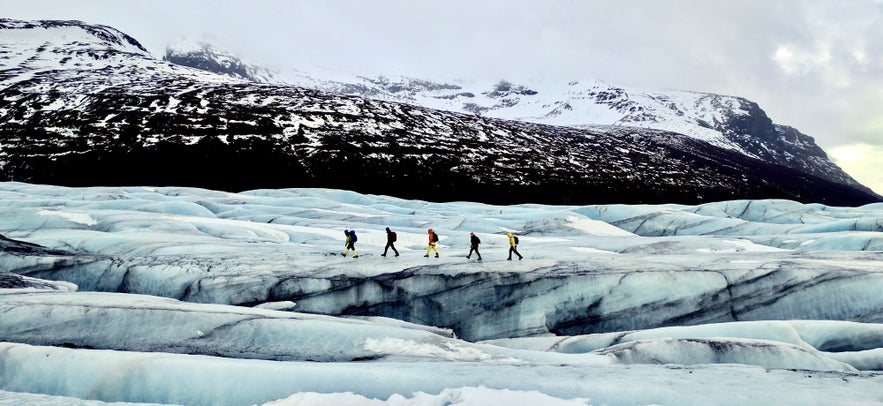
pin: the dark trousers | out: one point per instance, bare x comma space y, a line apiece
388, 246
474, 248
511, 250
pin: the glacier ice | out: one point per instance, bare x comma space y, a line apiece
124, 294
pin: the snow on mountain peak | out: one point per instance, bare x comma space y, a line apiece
95, 99
74, 37
203, 55
729, 122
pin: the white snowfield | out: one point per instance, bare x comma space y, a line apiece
186, 296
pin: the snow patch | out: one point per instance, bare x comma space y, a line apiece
79, 218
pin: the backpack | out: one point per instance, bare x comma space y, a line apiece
434, 237
515, 238
353, 236
393, 237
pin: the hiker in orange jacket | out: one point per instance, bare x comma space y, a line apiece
433, 240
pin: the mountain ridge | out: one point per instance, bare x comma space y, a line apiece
725, 121
79, 111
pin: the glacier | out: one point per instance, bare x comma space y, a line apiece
170, 295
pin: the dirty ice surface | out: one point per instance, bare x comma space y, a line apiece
190, 296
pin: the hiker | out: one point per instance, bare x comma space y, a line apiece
351, 243
474, 240
390, 242
433, 239
513, 246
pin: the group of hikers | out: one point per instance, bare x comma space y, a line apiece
391, 238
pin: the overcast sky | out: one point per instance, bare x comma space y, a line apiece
816, 65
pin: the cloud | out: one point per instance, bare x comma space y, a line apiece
862, 161
820, 61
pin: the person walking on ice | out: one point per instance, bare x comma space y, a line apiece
433, 240
513, 246
351, 243
390, 242
474, 240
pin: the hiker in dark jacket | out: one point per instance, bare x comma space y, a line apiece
390, 242
475, 241
350, 243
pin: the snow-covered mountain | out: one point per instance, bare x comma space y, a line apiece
203, 56
191, 296
86, 105
728, 122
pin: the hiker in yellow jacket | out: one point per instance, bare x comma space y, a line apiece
513, 246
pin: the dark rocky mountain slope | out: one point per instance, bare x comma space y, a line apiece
87, 105
729, 122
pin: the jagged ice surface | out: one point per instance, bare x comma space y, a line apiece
694, 304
